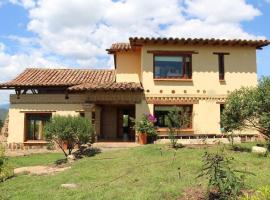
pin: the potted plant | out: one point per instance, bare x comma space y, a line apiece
145, 128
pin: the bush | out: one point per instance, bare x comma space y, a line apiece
6, 171
224, 182
70, 130
262, 193
146, 125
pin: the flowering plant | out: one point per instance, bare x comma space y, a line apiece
146, 125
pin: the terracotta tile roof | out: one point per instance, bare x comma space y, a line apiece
72, 79
114, 86
60, 77
198, 41
122, 46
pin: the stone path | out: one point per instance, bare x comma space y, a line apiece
40, 170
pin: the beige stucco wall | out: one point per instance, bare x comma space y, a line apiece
240, 70
17, 116
128, 66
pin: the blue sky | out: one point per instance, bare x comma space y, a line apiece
54, 33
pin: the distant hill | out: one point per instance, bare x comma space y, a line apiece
4, 106
3, 113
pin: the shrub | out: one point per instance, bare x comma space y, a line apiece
70, 130
223, 181
262, 193
177, 119
6, 171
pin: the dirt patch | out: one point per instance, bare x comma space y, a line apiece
194, 193
40, 170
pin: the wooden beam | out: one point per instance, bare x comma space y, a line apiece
172, 52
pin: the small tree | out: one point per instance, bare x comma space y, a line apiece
71, 130
177, 118
1, 124
248, 107
224, 182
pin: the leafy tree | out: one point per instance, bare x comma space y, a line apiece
177, 118
70, 130
248, 107
1, 124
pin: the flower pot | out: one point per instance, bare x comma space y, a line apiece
142, 138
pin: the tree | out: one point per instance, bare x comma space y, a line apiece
248, 107
1, 124
70, 130
177, 118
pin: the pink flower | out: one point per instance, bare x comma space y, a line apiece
151, 118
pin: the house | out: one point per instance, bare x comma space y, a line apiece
151, 75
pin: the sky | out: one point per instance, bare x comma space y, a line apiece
75, 33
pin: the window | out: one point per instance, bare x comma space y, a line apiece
221, 65
221, 108
172, 67
35, 125
161, 113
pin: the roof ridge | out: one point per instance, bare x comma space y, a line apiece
40, 68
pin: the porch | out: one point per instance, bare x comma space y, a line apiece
111, 122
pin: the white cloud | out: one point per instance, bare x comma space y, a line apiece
25, 3
79, 31
224, 11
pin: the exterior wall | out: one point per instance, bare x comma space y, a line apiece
240, 70
128, 66
17, 116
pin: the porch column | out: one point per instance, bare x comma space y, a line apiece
88, 111
97, 120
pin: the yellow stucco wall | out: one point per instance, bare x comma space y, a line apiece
128, 66
17, 116
240, 70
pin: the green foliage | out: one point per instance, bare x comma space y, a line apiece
248, 107
146, 125
71, 130
263, 193
1, 124
177, 119
222, 178
6, 171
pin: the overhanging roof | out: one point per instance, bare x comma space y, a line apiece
136, 42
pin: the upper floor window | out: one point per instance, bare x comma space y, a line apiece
172, 66
221, 65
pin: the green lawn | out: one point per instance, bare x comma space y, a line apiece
138, 173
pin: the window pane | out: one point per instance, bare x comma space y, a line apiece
168, 66
35, 126
161, 113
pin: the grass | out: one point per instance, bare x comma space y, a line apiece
149, 172
35, 159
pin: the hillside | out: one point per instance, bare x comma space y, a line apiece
3, 113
